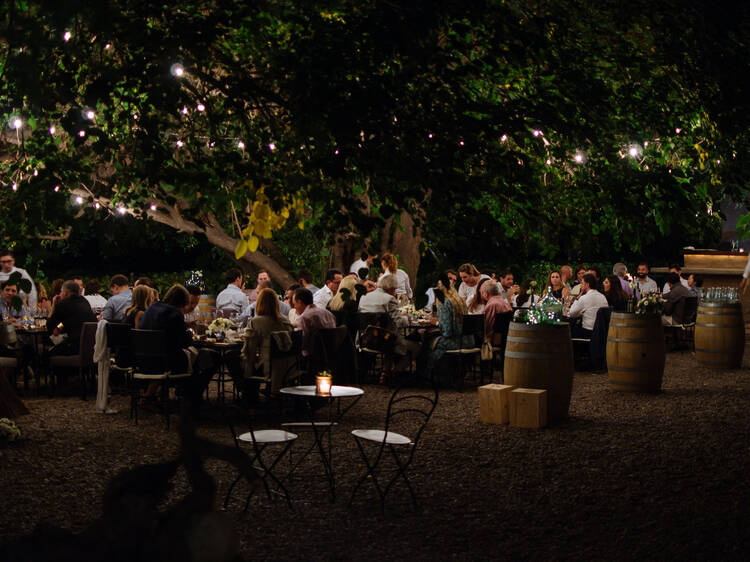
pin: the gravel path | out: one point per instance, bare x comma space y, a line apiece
626, 477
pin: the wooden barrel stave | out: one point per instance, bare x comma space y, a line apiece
635, 352
541, 356
720, 335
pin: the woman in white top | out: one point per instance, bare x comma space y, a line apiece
390, 267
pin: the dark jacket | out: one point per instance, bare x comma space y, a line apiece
72, 312
675, 305
170, 320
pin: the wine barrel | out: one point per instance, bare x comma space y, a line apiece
635, 352
720, 335
541, 356
207, 305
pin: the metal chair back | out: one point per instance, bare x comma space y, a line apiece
87, 343
118, 340
149, 351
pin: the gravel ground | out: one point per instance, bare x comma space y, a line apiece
626, 477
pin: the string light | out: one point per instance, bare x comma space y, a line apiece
36, 173
15, 187
579, 157
549, 161
79, 200
96, 205
57, 188
90, 115
152, 207
67, 35
177, 70
52, 130
537, 132
461, 143
241, 145
135, 116
429, 136
184, 110
107, 46
633, 151
272, 147
121, 210
200, 107
678, 130
180, 144
81, 133
504, 138
645, 144
17, 122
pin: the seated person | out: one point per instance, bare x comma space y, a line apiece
233, 298
92, 295
249, 310
524, 298
324, 295
478, 300
674, 308
168, 315
68, 317
586, 306
555, 284
192, 315
383, 300
256, 350
289, 301
695, 282
9, 312
675, 268
495, 304
310, 318
345, 302
143, 297
10, 346
114, 310
616, 296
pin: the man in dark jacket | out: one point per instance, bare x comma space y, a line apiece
68, 316
674, 308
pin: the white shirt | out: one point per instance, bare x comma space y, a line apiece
25, 275
357, 265
586, 306
646, 286
684, 282
467, 293
231, 298
322, 297
403, 287
97, 302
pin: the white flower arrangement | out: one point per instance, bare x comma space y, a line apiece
9, 430
408, 309
650, 304
220, 325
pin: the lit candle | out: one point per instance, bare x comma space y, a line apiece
323, 385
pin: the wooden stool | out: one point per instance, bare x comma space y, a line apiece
494, 403
528, 408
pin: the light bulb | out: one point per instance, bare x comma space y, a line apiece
90, 115
201, 107
633, 151
66, 36
177, 70
79, 200
579, 158
121, 210
52, 130
153, 207
678, 130
96, 205
17, 123
15, 187
57, 188
504, 138
81, 133
180, 143
184, 110
241, 145
272, 146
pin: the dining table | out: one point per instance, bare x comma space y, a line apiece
321, 429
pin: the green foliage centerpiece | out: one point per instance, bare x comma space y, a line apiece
546, 311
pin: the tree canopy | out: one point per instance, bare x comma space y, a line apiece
548, 128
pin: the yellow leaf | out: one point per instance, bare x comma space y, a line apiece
241, 249
301, 225
252, 244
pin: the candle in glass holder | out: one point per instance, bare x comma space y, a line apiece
323, 385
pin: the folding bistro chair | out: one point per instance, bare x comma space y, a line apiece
118, 340
467, 355
260, 440
501, 327
684, 334
372, 344
405, 410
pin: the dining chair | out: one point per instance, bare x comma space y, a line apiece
118, 341
371, 342
467, 354
83, 360
388, 453
151, 364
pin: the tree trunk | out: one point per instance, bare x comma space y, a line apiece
403, 241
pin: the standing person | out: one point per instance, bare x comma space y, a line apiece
365, 260
8, 266
71, 311
644, 284
695, 282
324, 295
470, 278
389, 264
233, 298
586, 306
91, 294
114, 310
262, 277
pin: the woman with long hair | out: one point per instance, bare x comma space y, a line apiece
450, 312
256, 350
616, 297
389, 262
555, 285
524, 298
143, 297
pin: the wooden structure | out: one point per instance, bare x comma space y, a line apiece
494, 403
720, 335
635, 352
528, 408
